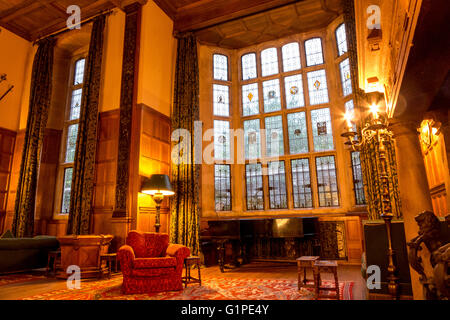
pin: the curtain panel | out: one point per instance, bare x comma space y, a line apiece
184, 226
81, 196
40, 95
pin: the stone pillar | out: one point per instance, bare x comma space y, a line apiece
413, 185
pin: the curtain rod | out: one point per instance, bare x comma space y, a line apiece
64, 30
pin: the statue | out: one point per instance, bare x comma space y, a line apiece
437, 285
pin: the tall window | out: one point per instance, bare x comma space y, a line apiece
341, 40
71, 131
346, 79
360, 198
314, 54
222, 186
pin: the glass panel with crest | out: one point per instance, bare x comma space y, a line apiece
346, 79
222, 187
317, 86
221, 95
272, 97
313, 49
277, 185
291, 57
221, 140
250, 99
249, 66
67, 186
75, 104
254, 184
79, 72
274, 136
71, 144
322, 131
269, 62
298, 133
301, 183
294, 92
252, 139
220, 67
327, 182
341, 39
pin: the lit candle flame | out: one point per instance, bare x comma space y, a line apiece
349, 118
374, 110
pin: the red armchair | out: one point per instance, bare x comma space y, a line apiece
150, 264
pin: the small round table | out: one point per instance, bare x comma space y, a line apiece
110, 258
188, 263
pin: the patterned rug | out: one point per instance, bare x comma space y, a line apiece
211, 289
19, 278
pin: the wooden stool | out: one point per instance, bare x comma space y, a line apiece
304, 263
188, 263
53, 258
109, 258
324, 266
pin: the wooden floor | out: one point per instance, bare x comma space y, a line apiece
251, 271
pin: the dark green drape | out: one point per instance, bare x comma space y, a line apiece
184, 226
84, 166
40, 94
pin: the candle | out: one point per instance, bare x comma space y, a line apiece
374, 110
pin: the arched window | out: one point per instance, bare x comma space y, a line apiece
220, 67
314, 54
248, 66
269, 62
341, 39
291, 57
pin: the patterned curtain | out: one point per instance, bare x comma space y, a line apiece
40, 94
84, 166
184, 226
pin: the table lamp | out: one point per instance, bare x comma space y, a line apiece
158, 186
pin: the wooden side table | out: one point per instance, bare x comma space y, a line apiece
324, 266
304, 263
188, 263
54, 257
109, 258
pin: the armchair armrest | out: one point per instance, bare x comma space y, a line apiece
126, 258
179, 252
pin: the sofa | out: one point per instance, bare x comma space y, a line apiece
150, 264
25, 254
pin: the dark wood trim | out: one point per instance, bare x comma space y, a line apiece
143, 106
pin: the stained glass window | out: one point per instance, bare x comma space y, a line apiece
222, 187
254, 183
341, 39
291, 57
346, 79
252, 139
272, 97
327, 181
250, 99
317, 87
298, 133
301, 183
249, 66
274, 136
220, 67
72, 134
313, 49
221, 140
277, 185
75, 105
221, 96
79, 72
294, 92
322, 131
350, 109
67, 186
358, 179
269, 62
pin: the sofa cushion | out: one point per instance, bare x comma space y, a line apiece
7, 235
152, 272
142, 263
148, 245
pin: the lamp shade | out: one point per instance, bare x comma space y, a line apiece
157, 184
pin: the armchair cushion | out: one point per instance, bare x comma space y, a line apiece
148, 245
142, 263
152, 272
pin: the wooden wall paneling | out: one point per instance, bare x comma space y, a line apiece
7, 141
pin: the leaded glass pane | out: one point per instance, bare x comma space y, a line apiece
75, 104
250, 99
254, 183
221, 95
220, 67
317, 86
221, 140
252, 139
322, 131
327, 182
301, 183
274, 136
298, 133
269, 62
249, 66
341, 40
277, 185
67, 186
294, 92
272, 97
222, 187
72, 134
79, 72
313, 49
291, 57
346, 79
358, 184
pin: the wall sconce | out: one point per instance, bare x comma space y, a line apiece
3, 77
